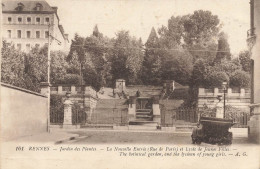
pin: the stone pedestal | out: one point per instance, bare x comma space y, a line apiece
132, 108
220, 112
67, 113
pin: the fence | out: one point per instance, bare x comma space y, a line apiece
112, 116
187, 114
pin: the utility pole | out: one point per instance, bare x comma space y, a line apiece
49, 74
48, 78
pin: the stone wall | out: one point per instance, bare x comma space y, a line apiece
23, 112
236, 98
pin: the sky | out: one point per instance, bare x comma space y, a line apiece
139, 16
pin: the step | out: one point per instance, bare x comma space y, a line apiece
184, 128
143, 113
141, 127
99, 126
143, 123
143, 116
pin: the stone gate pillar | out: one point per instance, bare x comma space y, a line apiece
156, 110
67, 111
132, 108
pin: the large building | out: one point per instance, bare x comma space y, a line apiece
254, 46
27, 24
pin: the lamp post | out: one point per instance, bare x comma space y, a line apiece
224, 86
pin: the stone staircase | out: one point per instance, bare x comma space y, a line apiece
143, 120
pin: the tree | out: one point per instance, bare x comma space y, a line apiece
223, 52
177, 65
199, 74
151, 70
200, 27
245, 60
126, 58
215, 79
12, 66
240, 78
58, 67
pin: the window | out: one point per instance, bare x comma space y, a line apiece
38, 35
20, 6
20, 19
46, 34
29, 19
28, 34
9, 19
28, 47
9, 32
38, 20
47, 20
19, 46
38, 7
19, 34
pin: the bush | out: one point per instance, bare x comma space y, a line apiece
240, 79
215, 79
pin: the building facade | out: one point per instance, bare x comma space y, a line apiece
28, 24
254, 45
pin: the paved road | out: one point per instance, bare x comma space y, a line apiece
131, 137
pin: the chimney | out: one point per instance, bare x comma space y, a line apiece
55, 9
169, 86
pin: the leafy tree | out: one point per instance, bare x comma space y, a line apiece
215, 79
177, 65
127, 57
240, 78
245, 60
12, 66
58, 66
223, 49
199, 73
200, 27
151, 70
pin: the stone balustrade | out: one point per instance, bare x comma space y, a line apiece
239, 98
230, 92
62, 90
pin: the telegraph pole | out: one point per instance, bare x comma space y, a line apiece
48, 78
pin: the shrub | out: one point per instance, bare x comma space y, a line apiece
215, 79
240, 79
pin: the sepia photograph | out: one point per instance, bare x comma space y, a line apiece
130, 84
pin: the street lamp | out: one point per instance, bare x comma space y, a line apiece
224, 86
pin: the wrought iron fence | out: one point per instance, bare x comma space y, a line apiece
106, 116
187, 114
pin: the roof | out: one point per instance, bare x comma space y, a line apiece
28, 6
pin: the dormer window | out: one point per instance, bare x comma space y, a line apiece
38, 7
20, 6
